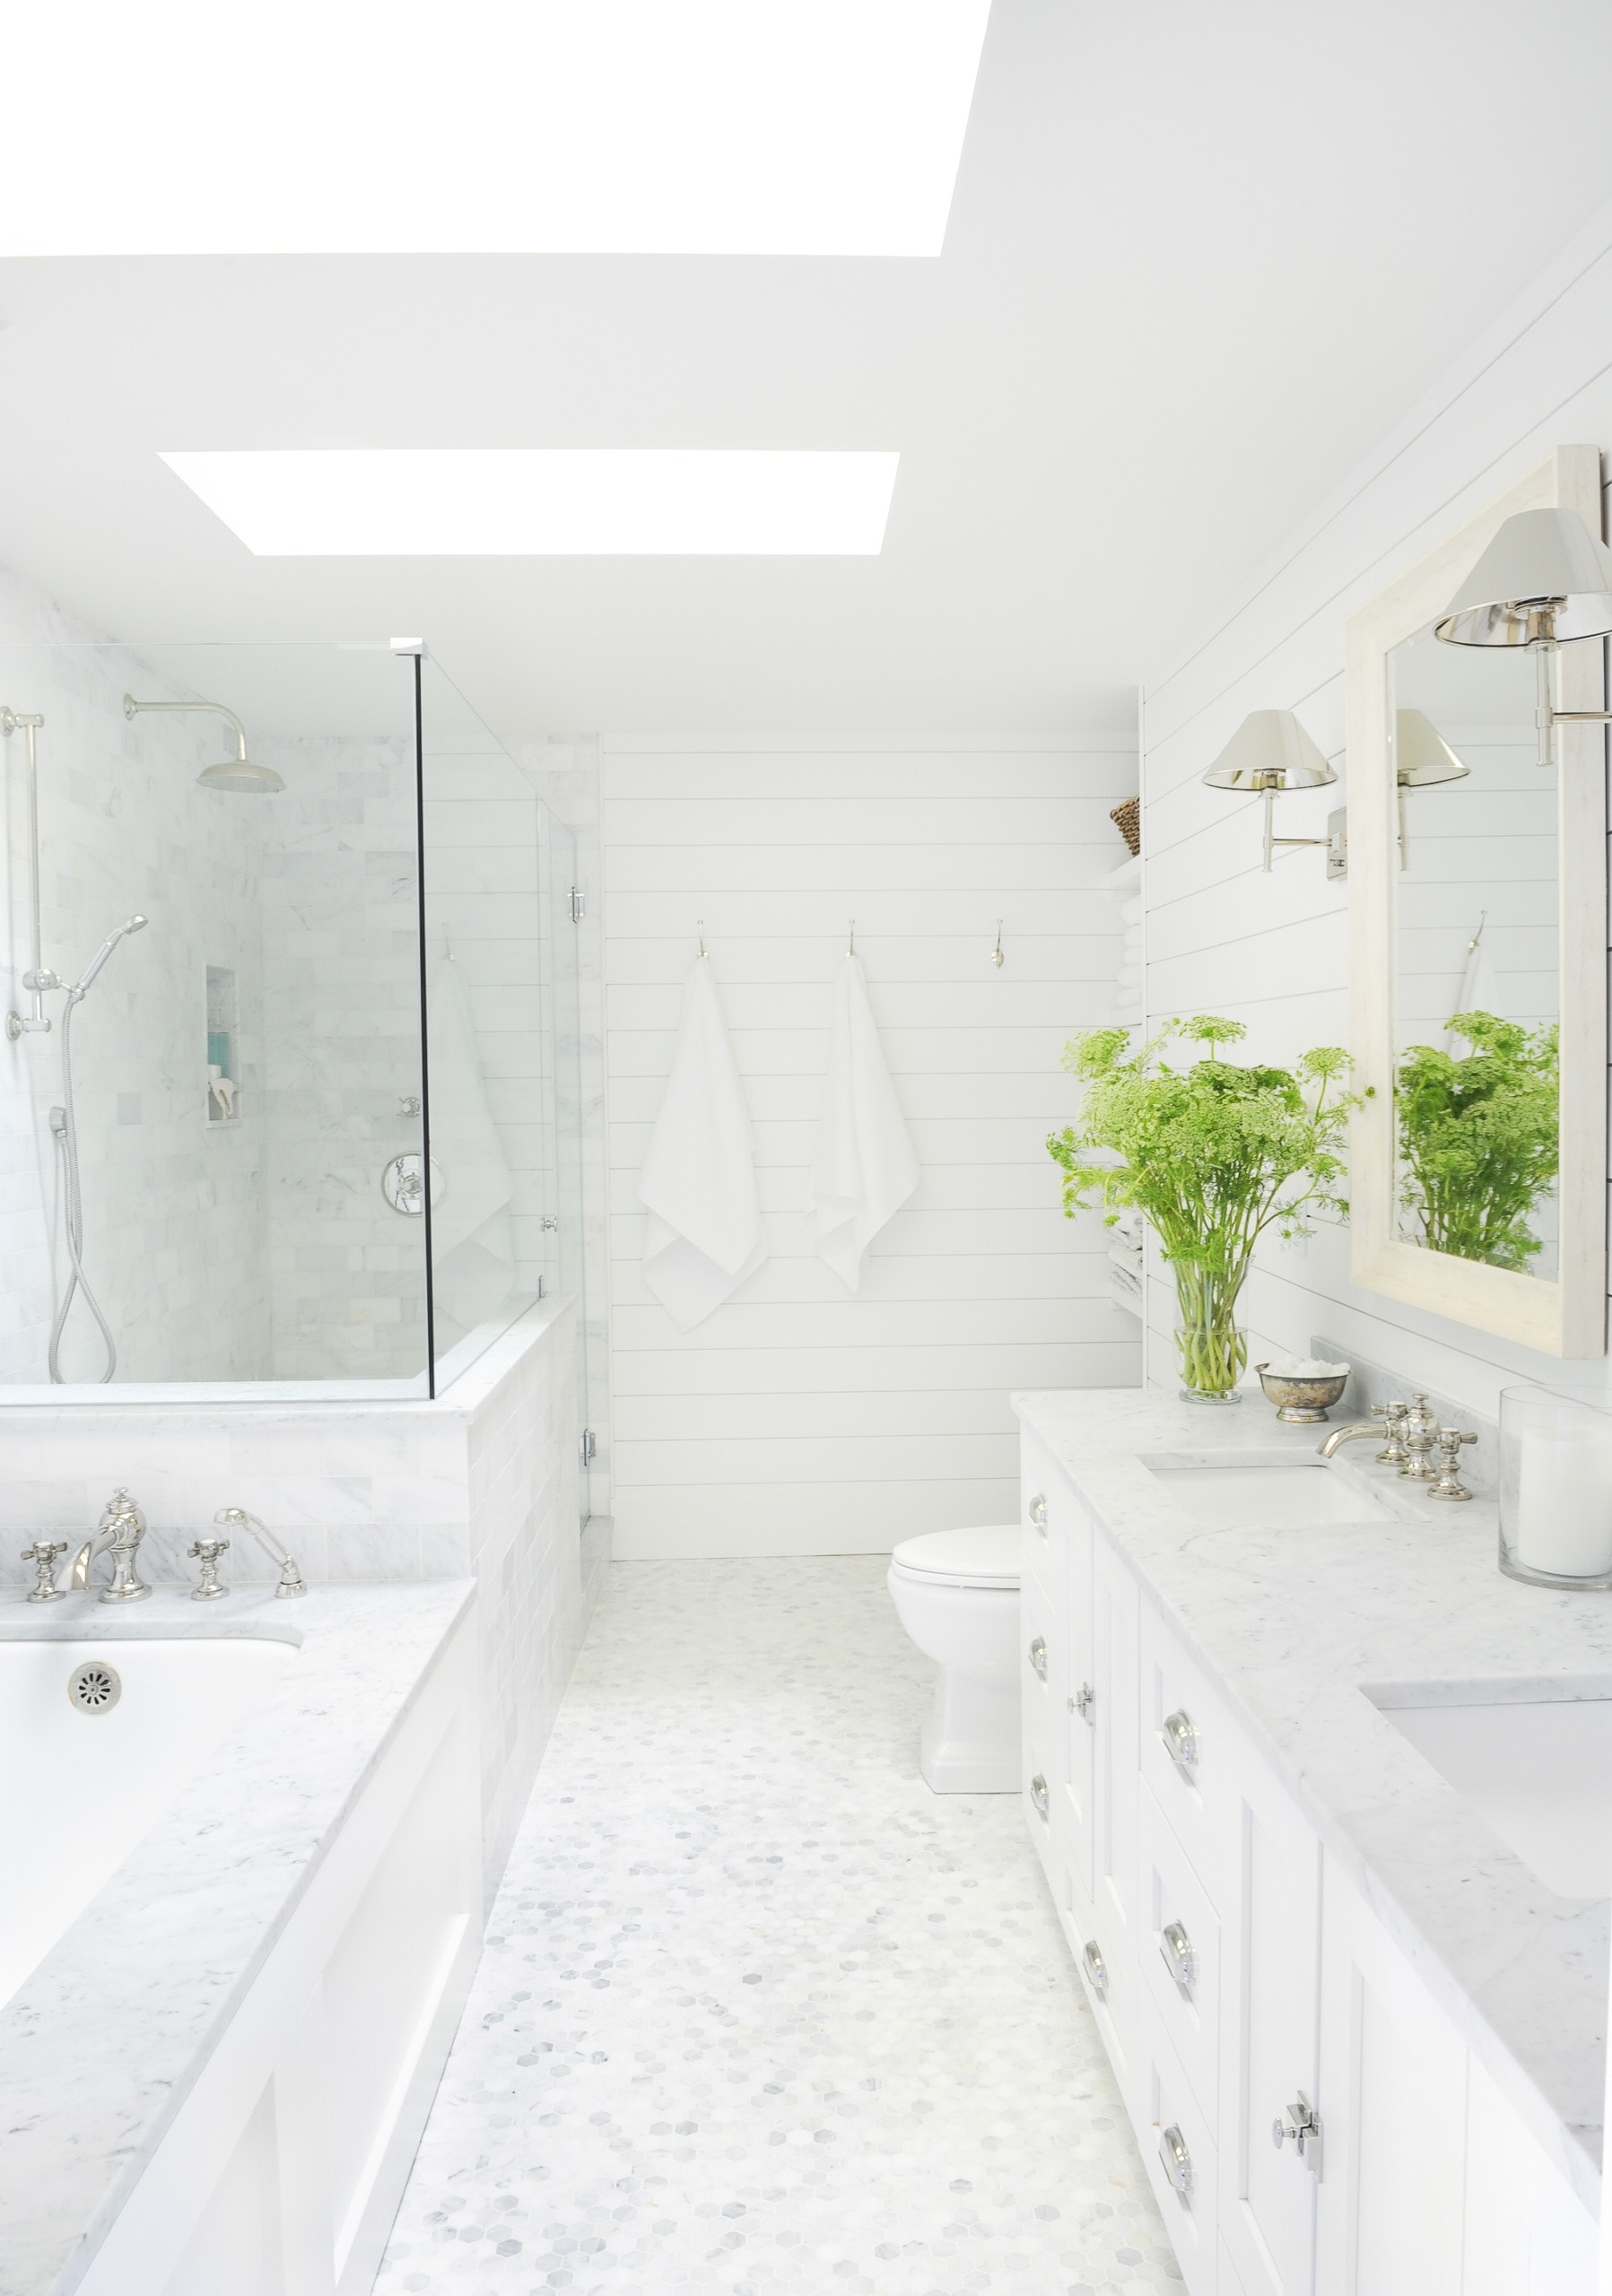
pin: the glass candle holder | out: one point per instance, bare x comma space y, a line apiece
1556, 1489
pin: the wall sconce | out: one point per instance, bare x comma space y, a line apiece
1543, 581
1271, 753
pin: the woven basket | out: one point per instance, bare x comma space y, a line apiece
1128, 820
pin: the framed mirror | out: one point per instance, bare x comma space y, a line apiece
1478, 939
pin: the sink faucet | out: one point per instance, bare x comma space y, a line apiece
121, 1529
1331, 1443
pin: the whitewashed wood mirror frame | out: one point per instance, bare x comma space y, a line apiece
1564, 1314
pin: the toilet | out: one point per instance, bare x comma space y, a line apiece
957, 1595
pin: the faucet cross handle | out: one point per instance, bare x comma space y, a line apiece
44, 1554
1393, 1417
207, 1552
1448, 1444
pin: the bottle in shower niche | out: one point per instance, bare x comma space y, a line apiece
223, 1087
1556, 1489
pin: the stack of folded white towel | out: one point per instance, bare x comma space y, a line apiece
1125, 1261
1129, 998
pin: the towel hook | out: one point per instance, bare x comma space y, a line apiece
850, 945
700, 929
1483, 919
997, 956
446, 944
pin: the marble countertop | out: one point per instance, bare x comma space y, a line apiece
1290, 1624
102, 2043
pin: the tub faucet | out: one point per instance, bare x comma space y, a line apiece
292, 1581
121, 1529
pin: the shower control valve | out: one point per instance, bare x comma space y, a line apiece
44, 1554
207, 1552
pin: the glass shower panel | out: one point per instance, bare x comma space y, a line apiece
564, 1032
243, 1074
490, 1070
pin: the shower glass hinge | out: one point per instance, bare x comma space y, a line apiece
586, 1445
579, 904
549, 1222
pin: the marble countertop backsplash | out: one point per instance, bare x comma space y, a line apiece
101, 2043
1290, 1624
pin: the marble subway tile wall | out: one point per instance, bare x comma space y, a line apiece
174, 1208
340, 905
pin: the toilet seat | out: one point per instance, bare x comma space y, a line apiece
984, 1555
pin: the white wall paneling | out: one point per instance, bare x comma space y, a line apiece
1273, 950
799, 1419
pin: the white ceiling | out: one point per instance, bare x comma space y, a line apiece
1199, 258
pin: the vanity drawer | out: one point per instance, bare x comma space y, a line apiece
1189, 1756
1170, 2117
1179, 1951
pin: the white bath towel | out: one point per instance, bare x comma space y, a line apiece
473, 1245
704, 1234
865, 1167
1480, 993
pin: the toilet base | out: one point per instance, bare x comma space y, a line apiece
969, 1740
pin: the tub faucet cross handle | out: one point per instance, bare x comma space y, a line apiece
43, 1555
207, 1552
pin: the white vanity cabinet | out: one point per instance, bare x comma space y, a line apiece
1242, 1987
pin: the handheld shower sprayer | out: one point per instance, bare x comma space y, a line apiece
136, 924
64, 1127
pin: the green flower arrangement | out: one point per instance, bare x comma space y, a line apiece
1213, 1154
1480, 1139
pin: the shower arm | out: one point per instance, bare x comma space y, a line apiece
36, 979
133, 709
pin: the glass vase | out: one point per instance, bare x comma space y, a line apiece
1214, 1346
1556, 1489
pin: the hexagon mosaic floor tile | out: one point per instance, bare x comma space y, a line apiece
759, 2014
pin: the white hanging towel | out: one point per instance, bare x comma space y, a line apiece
865, 1167
1480, 993
473, 1245
704, 1236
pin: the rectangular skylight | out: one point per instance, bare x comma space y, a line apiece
545, 501
827, 127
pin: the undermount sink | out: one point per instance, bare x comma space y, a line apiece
1534, 1768
1264, 1495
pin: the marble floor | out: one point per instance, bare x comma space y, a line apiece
759, 2014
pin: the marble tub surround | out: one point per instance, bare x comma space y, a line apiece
1291, 1625
758, 2011
101, 2045
479, 1482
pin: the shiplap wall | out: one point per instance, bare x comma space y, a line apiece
1273, 950
799, 1419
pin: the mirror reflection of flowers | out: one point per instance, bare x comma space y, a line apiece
1213, 1154
1479, 1138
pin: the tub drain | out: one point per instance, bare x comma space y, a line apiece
95, 1688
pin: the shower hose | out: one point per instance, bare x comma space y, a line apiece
66, 1131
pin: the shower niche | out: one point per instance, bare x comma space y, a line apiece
223, 1091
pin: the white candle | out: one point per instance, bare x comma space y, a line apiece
1565, 1500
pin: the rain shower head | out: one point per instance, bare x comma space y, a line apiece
236, 774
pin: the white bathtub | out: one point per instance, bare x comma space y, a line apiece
81, 1785
238, 1911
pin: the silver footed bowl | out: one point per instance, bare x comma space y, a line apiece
1302, 1402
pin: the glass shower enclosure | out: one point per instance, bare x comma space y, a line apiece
289, 1091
